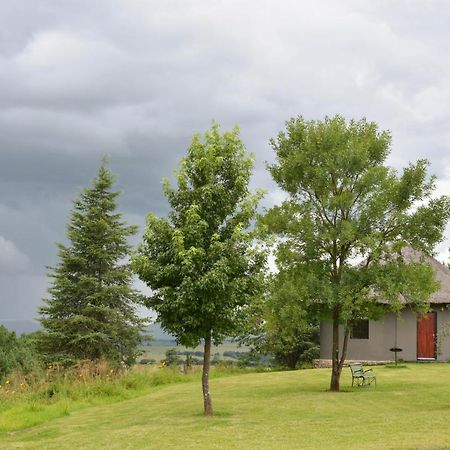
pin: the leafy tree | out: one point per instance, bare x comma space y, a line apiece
347, 221
16, 353
280, 326
201, 263
91, 310
172, 358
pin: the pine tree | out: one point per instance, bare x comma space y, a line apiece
91, 310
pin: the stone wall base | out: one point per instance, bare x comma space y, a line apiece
326, 363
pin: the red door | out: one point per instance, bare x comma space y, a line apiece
426, 333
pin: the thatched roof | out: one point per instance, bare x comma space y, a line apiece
441, 271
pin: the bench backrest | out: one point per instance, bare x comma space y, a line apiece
357, 369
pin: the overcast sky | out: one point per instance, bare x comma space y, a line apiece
136, 79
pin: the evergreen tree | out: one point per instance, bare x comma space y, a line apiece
91, 310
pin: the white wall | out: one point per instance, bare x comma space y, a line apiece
382, 338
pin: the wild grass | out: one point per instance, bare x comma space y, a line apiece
40, 396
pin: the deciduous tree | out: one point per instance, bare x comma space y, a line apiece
280, 326
201, 262
16, 353
347, 219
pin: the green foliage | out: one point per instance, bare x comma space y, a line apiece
281, 327
16, 353
201, 264
172, 358
91, 310
345, 206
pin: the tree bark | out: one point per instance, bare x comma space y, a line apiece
207, 401
338, 362
344, 349
335, 372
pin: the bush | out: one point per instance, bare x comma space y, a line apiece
147, 361
172, 358
15, 353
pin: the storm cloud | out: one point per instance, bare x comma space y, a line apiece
136, 79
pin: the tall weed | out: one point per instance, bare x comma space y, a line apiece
42, 395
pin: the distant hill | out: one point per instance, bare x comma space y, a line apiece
21, 326
30, 326
158, 333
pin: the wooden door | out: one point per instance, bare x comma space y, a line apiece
426, 336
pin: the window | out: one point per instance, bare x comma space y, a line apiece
360, 330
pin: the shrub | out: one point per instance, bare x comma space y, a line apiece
15, 353
147, 361
172, 358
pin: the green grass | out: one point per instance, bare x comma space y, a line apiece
51, 399
410, 408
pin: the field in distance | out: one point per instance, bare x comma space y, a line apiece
156, 350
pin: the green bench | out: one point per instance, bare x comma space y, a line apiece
363, 377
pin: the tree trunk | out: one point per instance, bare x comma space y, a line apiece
207, 402
335, 372
338, 363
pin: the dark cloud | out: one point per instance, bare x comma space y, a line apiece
135, 80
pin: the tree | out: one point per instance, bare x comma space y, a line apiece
280, 326
91, 310
16, 353
172, 358
201, 262
347, 219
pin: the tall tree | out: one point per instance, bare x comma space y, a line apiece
201, 262
347, 219
90, 313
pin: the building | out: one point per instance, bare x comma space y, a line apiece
422, 337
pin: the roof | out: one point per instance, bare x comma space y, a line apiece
441, 271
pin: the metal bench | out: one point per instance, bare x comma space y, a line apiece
363, 377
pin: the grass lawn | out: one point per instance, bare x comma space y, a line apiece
410, 408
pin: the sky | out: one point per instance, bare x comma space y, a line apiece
135, 80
